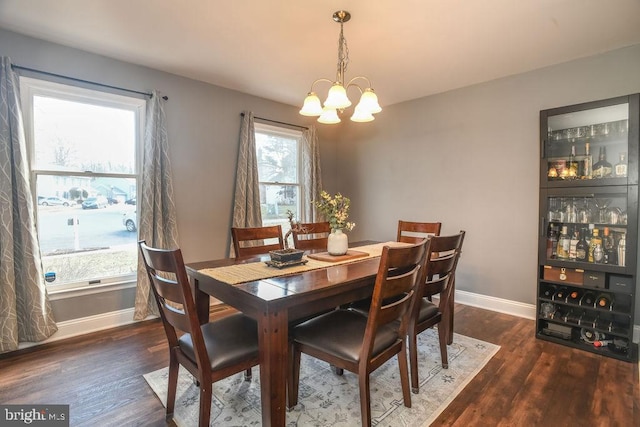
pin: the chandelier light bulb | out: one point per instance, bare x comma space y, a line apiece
312, 106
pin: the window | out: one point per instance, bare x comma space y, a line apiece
279, 156
84, 157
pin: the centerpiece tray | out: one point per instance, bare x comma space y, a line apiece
284, 264
325, 256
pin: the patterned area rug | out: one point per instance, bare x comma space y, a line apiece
326, 399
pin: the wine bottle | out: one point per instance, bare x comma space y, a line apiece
595, 241
582, 248
588, 299
604, 301
620, 169
574, 296
572, 166
610, 255
549, 291
602, 168
552, 242
573, 245
561, 294
564, 242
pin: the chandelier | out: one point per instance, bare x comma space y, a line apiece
337, 99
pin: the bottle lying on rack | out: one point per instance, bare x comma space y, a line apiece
561, 294
604, 301
588, 299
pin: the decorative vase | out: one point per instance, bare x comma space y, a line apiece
337, 243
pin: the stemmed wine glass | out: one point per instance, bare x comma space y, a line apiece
602, 206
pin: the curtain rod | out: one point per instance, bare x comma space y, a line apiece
46, 73
276, 121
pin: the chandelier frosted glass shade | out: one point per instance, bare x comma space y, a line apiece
337, 100
369, 101
329, 116
312, 105
361, 115
337, 97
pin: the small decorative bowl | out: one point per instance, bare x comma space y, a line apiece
286, 255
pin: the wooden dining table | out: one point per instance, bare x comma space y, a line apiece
274, 303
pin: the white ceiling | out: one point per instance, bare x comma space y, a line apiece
276, 48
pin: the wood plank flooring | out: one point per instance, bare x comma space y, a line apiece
529, 382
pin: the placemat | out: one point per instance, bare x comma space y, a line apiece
249, 272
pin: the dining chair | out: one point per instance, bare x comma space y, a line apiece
437, 278
311, 235
250, 241
350, 341
210, 352
412, 232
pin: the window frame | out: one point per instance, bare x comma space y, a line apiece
301, 183
31, 87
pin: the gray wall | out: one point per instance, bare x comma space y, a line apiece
468, 158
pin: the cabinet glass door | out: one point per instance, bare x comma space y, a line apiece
589, 145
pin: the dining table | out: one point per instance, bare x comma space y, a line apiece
276, 298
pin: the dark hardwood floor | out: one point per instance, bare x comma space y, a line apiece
529, 382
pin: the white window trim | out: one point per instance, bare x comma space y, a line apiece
30, 87
301, 184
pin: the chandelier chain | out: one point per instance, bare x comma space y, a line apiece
343, 55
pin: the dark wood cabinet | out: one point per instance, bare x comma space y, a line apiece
588, 236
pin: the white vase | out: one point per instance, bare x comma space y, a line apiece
338, 243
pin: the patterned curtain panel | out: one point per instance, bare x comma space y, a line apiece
246, 202
157, 214
312, 173
25, 312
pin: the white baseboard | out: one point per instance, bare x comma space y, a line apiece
87, 325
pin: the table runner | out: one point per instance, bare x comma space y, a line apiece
241, 273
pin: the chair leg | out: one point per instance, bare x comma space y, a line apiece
247, 375
365, 398
404, 376
338, 371
172, 384
205, 404
413, 360
443, 334
293, 377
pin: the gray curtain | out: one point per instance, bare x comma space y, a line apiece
312, 174
246, 201
25, 311
157, 209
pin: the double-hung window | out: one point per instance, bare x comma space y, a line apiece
84, 148
279, 154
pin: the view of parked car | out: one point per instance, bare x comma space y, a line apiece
130, 201
95, 203
129, 220
53, 201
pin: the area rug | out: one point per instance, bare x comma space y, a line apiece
326, 399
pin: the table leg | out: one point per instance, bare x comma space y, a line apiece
201, 300
273, 342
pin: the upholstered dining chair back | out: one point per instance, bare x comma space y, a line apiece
413, 232
311, 235
209, 352
251, 241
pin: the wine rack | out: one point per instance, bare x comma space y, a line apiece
587, 254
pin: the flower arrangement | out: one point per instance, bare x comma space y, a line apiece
336, 210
